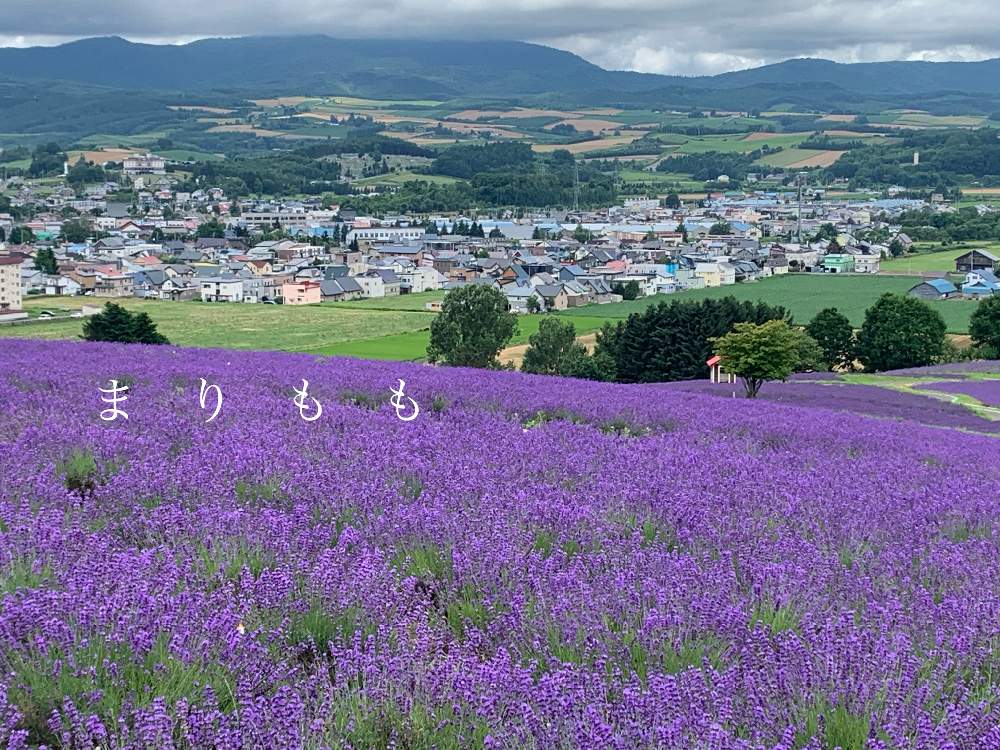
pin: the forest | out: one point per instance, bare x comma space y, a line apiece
946, 159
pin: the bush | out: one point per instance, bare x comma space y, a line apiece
117, 324
553, 350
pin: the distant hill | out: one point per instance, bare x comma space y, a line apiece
397, 68
872, 78
416, 69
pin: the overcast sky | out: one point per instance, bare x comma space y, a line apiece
654, 36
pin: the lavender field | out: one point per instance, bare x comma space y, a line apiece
531, 563
985, 391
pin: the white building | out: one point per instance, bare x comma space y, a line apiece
148, 164
396, 235
218, 289
286, 217
421, 279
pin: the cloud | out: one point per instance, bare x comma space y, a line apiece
689, 37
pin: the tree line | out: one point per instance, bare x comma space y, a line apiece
673, 340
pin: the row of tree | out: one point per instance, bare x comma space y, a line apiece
673, 340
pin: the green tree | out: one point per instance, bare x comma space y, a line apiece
47, 160
984, 326
75, 230
896, 248
833, 332
671, 340
629, 290
84, 172
826, 232
45, 261
144, 330
760, 353
582, 234
21, 236
211, 228
672, 200
721, 227
553, 349
115, 323
900, 332
473, 326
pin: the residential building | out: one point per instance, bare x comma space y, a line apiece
981, 284
10, 282
114, 285
301, 292
838, 263
867, 263
221, 289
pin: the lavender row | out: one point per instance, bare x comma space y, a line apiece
534, 562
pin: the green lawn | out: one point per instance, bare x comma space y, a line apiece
393, 328
240, 326
405, 347
412, 346
804, 295
923, 262
586, 321
410, 302
936, 260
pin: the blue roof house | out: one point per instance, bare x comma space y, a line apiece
981, 283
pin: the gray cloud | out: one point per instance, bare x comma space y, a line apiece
658, 36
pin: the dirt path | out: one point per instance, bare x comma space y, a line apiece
515, 354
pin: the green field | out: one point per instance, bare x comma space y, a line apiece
413, 346
661, 180
397, 328
931, 259
180, 154
410, 302
739, 143
398, 178
239, 326
803, 295
923, 262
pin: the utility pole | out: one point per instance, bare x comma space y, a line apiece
576, 186
799, 180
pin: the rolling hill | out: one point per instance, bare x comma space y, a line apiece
433, 69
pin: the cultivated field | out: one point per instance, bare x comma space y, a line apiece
804, 295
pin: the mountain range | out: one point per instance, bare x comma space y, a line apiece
423, 69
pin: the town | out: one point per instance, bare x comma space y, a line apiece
181, 246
